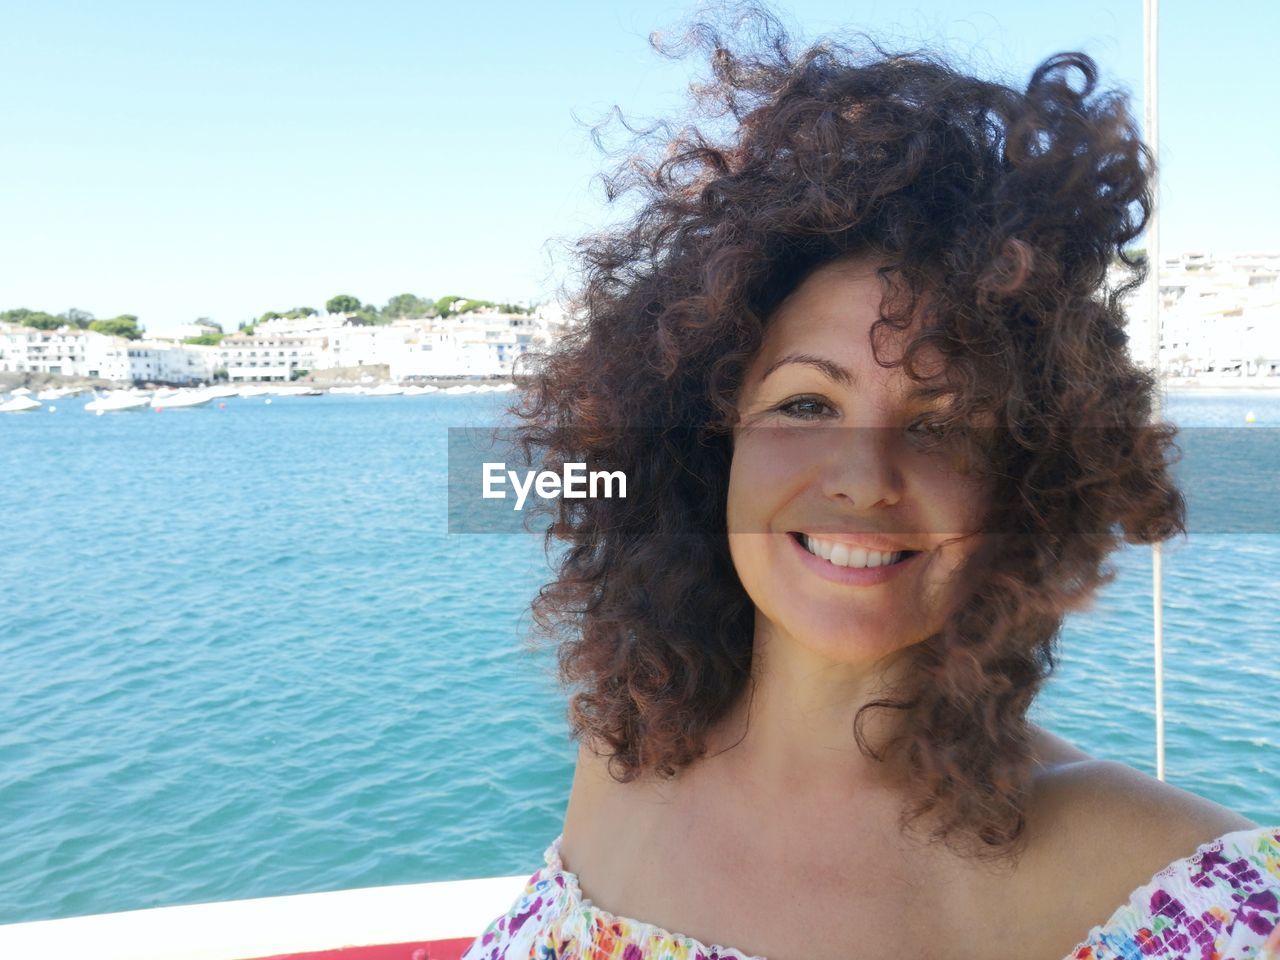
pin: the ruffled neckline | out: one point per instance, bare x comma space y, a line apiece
717, 952
1137, 900
578, 902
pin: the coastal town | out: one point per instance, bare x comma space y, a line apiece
1219, 320
1219, 317
480, 343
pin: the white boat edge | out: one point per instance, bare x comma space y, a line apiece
271, 926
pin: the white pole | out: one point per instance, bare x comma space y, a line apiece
1150, 24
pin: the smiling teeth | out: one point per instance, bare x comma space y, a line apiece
842, 555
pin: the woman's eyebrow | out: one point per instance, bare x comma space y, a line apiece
832, 369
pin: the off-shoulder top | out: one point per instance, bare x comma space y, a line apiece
1220, 903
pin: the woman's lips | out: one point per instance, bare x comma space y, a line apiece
851, 576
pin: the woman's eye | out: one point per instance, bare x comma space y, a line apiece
929, 431
803, 408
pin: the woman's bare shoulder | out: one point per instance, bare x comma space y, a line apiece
1113, 800
1096, 831
1116, 825
1107, 796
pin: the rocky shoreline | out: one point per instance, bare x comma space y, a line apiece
373, 376
321, 379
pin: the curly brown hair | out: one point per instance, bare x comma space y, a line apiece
998, 214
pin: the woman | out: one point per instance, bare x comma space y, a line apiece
860, 362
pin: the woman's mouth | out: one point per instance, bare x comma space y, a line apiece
852, 566
842, 555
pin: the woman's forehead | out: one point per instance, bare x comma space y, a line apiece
827, 324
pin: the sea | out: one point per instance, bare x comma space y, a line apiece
241, 654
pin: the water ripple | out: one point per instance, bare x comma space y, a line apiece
247, 660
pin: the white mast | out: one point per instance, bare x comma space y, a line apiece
1150, 27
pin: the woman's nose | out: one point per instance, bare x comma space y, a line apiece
859, 466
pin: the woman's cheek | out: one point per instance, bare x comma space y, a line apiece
770, 465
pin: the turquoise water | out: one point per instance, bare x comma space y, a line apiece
241, 657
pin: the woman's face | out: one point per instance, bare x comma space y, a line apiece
829, 446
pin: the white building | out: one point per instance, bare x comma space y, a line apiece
28, 350
108, 358
186, 363
479, 343
318, 323
1218, 316
270, 356
72, 352
358, 345
200, 328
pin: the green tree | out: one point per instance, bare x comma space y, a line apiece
79, 318
269, 315
407, 305
125, 325
444, 306
367, 315
207, 322
205, 339
42, 321
342, 303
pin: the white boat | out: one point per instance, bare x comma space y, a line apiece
254, 391
19, 405
430, 920
347, 390
386, 390
181, 399
222, 392
116, 402
21, 392
419, 391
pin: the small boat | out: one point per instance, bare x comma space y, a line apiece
181, 399
385, 390
19, 405
116, 402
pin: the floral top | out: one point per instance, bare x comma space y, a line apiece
1220, 903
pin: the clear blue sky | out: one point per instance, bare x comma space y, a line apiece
176, 160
